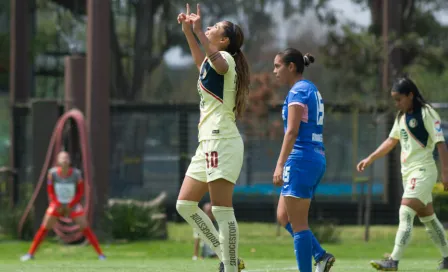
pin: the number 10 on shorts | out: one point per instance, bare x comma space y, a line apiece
212, 159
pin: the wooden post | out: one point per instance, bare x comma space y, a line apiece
19, 86
368, 210
97, 98
74, 97
44, 115
355, 143
75, 82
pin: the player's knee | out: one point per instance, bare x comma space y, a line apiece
282, 218
185, 207
406, 216
427, 219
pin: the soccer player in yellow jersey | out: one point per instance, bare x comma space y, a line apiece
418, 129
223, 85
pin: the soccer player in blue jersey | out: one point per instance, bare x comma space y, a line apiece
417, 128
223, 86
301, 163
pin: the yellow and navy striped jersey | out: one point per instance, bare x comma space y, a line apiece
418, 133
217, 93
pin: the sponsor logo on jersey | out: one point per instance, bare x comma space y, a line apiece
438, 126
404, 135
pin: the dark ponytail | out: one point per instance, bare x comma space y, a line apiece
236, 37
295, 56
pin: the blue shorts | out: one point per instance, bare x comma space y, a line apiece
301, 177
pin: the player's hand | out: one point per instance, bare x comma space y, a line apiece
184, 19
195, 20
445, 180
64, 210
277, 179
363, 164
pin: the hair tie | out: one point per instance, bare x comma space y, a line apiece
306, 60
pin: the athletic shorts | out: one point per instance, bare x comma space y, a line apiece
77, 211
419, 183
217, 159
301, 178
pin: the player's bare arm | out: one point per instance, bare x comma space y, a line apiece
443, 154
196, 52
294, 119
380, 152
212, 52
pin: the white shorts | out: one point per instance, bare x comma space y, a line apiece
420, 183
217, 159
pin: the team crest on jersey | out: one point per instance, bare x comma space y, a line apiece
203, 74
413, 123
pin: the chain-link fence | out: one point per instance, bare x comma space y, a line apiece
151, 147
149, 144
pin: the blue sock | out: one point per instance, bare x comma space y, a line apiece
318, 251
288, 227
303, 247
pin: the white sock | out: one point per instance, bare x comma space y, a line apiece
437, 233
228, 236
404, 232
201, 223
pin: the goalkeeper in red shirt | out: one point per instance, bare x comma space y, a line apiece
65, 188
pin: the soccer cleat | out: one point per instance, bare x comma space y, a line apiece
27, 257
444, 264
101, 257
241, 266
385, 265
325, 263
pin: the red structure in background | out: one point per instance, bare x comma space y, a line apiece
67, 231
93, 98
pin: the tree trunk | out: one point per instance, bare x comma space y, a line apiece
119, 82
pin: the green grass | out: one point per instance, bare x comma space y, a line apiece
259, 246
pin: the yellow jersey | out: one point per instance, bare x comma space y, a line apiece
217, 93
418, 133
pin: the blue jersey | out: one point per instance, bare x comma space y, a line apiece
309, 144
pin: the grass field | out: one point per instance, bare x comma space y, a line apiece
259, 246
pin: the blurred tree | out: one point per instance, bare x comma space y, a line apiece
416, 38
156, 31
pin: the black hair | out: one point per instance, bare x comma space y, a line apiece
236, 40
295, 56
404, 85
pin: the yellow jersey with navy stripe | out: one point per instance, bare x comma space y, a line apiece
217, 93
418, 133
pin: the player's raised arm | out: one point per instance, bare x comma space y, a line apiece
220, 64
196, 53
